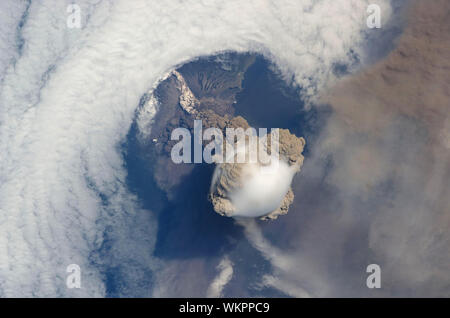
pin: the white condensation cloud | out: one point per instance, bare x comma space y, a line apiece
68, 101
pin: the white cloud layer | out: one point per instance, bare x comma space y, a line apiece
67, 100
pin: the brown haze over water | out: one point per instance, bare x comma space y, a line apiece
414, 79
386, 197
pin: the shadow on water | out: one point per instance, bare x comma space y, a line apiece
190, 227
187, 225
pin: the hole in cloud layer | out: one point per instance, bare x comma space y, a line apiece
74, 188
188, 228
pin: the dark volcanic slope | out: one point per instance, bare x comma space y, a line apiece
215, 81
